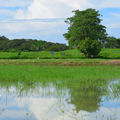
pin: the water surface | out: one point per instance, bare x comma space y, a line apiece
60, 100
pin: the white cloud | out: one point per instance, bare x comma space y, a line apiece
42, 29
98, 4
7, 12
54, 8
40, 107
39, 9
51, 109
15, 3
61, 8
51, 9
44, 26
109, 3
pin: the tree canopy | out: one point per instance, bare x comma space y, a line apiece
84, 25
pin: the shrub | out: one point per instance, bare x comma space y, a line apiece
90, 48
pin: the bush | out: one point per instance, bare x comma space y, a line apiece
90, 48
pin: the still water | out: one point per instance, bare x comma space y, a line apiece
60, 100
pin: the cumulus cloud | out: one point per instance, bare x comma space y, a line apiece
61, 8
51, 9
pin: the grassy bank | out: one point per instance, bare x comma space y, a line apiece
68, 54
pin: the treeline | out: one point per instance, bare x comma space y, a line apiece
112, 42
40, 45
29, 45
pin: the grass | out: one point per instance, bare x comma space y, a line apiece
38, 72
42, 55
68, 54
66, 58
110, 53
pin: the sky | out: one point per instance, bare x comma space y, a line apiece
44, 19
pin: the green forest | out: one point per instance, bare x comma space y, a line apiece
17, 45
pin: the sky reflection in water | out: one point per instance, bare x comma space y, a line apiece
59, 103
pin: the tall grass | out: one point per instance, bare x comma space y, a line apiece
38, 72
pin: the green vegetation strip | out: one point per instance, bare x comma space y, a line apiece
40, 73
67, 54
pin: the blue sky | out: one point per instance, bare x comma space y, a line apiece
44, 19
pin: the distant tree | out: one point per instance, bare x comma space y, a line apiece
85, 25
111, 42
3, 42
118, 43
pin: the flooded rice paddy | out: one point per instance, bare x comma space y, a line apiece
60, 100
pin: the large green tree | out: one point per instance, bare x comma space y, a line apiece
85, 25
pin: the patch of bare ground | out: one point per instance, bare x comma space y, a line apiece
64, 63
111, 62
